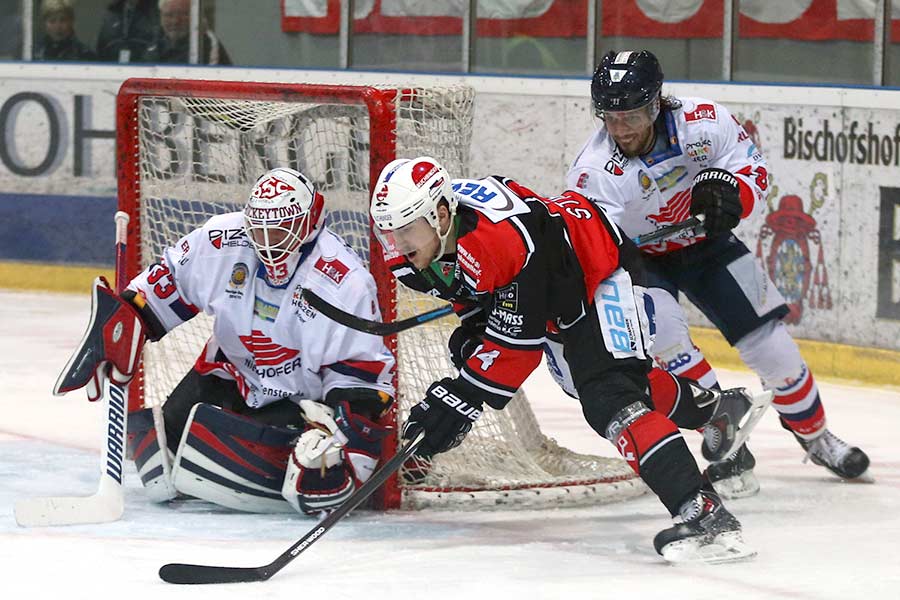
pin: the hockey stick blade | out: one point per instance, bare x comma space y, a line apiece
102, 507
181, 573
669, 231
107, 504
373, 327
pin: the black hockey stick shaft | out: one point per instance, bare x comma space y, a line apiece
194, 574
374, 327
669, 231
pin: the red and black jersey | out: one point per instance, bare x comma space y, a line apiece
524, 260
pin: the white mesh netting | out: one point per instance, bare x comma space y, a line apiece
199, 157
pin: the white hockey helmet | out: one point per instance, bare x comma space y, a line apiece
406, 198
283, 212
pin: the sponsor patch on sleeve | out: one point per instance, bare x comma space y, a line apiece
332, 269
703, 112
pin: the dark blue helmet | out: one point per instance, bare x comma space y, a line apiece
625, 81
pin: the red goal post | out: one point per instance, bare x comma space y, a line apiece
189, 149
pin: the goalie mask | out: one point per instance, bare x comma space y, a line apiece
405, 209
283, 213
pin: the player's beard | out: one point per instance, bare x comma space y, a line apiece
640, 145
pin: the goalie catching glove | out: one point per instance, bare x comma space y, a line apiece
111, 346
716, 195
445, 417
332, 458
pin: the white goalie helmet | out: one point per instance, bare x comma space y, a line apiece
405, 204
284, 211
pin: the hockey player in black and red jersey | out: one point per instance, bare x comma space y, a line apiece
514, 262
657, 160
233, 429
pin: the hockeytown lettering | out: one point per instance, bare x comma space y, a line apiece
271, 214
851, 144
115, 432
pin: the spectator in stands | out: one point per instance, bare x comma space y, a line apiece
129, 31
10, 29
173, 45
59, 42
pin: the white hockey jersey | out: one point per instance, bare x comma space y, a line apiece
276, 345
643, 194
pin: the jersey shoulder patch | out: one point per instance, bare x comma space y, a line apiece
334, 261
697, 110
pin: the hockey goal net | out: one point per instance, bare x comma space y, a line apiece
190, 149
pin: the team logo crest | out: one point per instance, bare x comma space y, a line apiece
788, 232
644, 180
381, 196
238, 279
238, 275
582, 181
270, 188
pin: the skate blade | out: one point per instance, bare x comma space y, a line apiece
744, 485
725, 548
866, 477
748, 422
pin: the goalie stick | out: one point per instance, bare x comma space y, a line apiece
195, 574
108, 503
378, 328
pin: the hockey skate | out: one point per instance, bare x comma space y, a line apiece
708, 533
733, 477
735, 416
836, 455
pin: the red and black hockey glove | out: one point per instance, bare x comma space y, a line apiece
717, 196
444, 415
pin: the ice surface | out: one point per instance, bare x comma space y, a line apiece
817, 537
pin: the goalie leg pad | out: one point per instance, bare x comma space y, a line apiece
233, 461
147, 447
324, 470
115, 336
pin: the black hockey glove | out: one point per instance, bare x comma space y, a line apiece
717, 196
466, 338
445, 417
